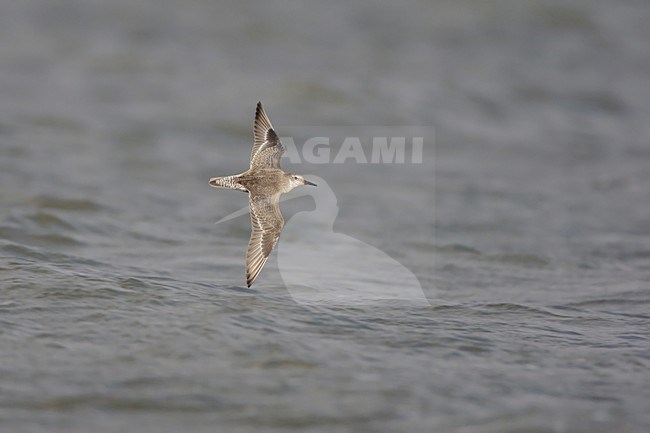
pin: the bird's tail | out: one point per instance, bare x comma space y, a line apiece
230, 182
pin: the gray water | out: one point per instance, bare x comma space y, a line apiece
123, 308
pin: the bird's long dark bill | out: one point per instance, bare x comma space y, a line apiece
310, 183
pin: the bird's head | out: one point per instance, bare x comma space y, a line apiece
297, 180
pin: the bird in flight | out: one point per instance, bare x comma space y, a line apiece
264, 182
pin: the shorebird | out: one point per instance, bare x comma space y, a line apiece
264, 182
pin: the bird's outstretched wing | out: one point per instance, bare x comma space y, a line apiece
267, 149
267, 223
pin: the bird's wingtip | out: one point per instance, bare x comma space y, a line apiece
259, 110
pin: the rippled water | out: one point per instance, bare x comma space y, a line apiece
123, 307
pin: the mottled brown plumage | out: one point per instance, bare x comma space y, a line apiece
265, 182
